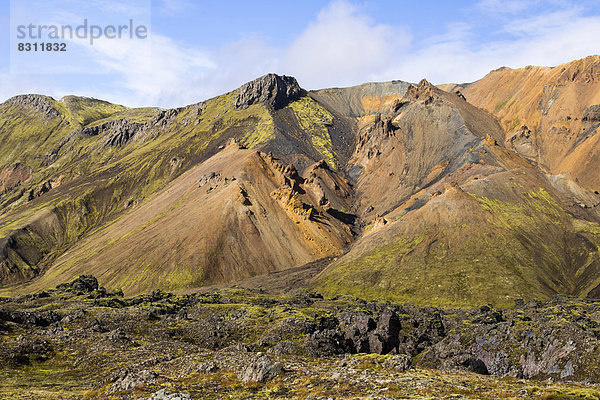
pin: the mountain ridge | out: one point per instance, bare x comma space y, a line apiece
397, 181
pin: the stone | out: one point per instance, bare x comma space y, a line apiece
116, 133
134, 380
207, 367
261, 370
284, 347
325, 342
85, 284
399, 362
165, 395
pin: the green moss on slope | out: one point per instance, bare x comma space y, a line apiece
137, 115
314, 120
103, 179
84, 110
523, 249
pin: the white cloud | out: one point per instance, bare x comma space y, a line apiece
165, 73
547, 40
343, 47
547, 24
505, 6
156, 70
174, 7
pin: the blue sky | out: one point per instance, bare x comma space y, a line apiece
199, 49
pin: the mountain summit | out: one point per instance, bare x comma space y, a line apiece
277, 91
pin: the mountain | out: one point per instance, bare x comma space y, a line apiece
460, 219
549, 115
481, 193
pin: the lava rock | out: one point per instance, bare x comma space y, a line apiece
24, 351
83, 284
326, 343
399, 362
134, 380
116, 133
261, 370
385, 339
164, 395
274, 90
207, 367
284, 347
35, 318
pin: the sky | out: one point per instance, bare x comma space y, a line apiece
195, 50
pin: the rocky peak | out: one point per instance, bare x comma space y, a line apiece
37, 102
275, 90
425, 91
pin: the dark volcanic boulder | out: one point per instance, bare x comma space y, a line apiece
557, 339
275, 90
385, 338
364, 335
23, 351
357, 326
85, 284
325, 342
35, 318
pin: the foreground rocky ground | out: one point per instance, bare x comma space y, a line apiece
79, 341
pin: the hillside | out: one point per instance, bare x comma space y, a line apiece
459, 219
402, 192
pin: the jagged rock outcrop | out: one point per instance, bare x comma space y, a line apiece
45, 187
275, 90
424, 91
523, 142
165, 117
134, 380
554, 339
116, 133
36, 102
83, 284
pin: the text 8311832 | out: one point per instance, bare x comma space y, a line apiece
41, 46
